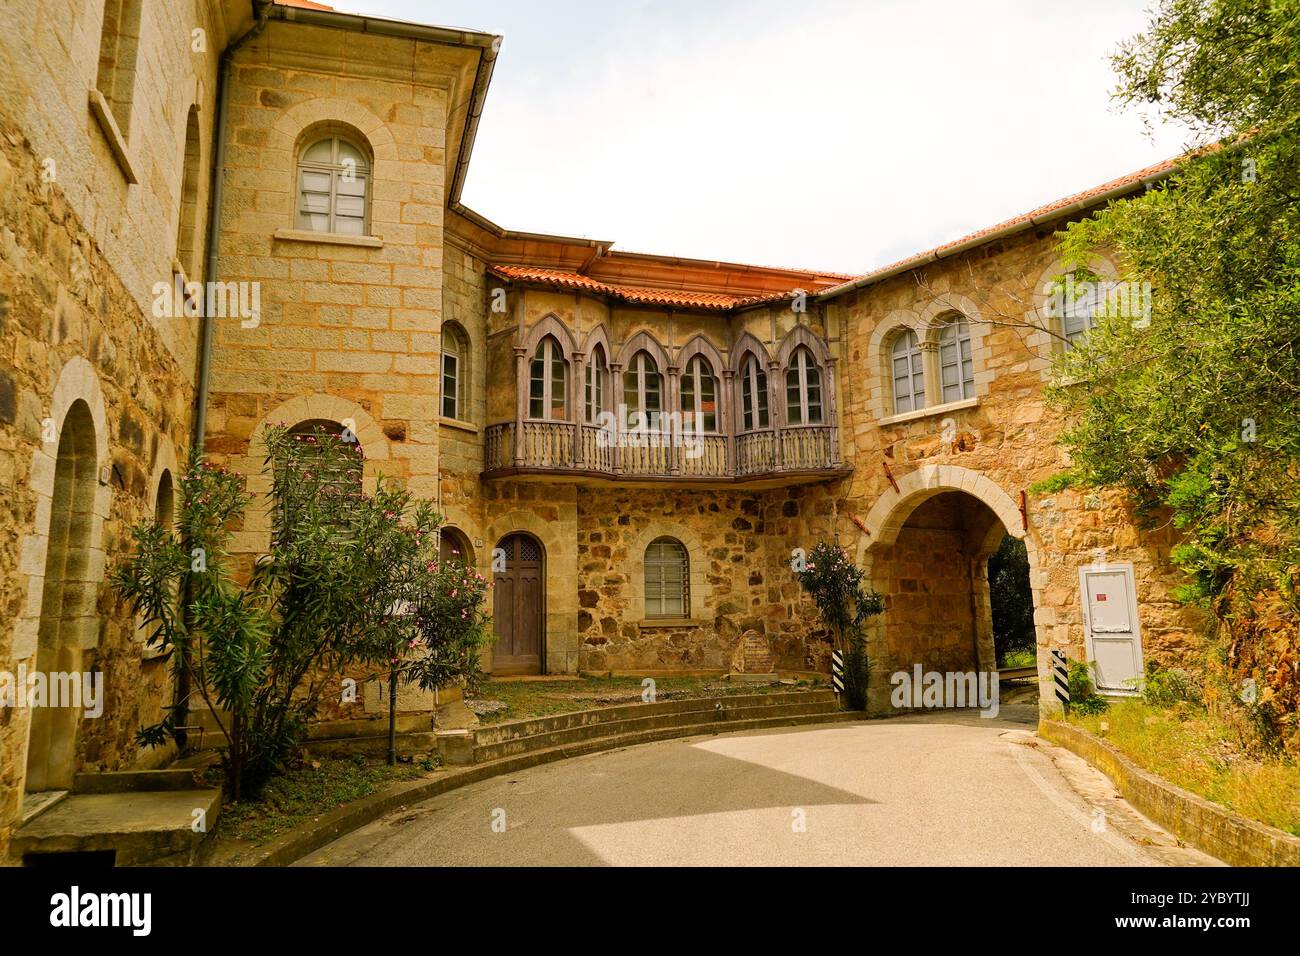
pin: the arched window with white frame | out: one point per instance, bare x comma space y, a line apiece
548, 382
753, 395
455, 372
908, 372
699, 391
956, 367
333, 187
803, 389
667, 579
643, 392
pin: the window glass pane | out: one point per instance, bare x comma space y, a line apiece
322, 152
315, 182
353, 206
348, 226
356, 186
559, 385
348, 152
318, 222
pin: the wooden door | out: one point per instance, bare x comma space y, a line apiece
518, 606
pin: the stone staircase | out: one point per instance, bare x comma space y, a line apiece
589, 731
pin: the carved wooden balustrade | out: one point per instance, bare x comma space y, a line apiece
542, 447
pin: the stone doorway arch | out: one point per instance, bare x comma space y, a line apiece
68, 621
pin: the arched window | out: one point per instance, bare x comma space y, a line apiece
119, 45
643, 392
455, 372
956, 369
753, 395
667, 579
699, 396
803, 389
164, 508
1081, 304
453, 546
548, 382
333, 174
187, 227
909, 373
597, 384
341, 474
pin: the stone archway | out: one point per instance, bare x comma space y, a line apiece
926, 549
68, 622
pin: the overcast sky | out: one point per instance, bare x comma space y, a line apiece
824, 133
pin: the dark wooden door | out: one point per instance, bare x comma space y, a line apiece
517, 609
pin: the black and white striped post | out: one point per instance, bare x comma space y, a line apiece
1061, 679
837, 671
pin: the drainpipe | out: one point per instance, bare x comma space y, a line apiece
180, 711
262, 8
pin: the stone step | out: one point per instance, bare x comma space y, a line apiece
139, 828
724, 717
580, 748
408, 744
528, 727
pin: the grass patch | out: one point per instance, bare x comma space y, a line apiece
309, 790
1015, 659
523, 698
1187, 746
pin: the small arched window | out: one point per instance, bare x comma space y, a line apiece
956, 368
753, 395
187, 224
597, 384
548, 382
643, 392
341, 474
699, 396
164, 509
333, 194
909, 373
1081, 304
455, 372
803, 389
453, 547
667, 579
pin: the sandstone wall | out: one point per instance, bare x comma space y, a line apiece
82, 246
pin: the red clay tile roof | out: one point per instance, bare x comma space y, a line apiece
305, 4
1132, 180
713, 301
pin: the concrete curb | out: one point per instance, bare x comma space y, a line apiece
1207, 826
328, 827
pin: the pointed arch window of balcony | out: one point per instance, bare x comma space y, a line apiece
597, 385
548, 382
753, 395
699, 396
643, 392
803, 389
909, 373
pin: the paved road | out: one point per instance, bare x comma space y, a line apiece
949, 789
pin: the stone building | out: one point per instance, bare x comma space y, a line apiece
634, 446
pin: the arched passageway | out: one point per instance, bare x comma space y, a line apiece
67, 601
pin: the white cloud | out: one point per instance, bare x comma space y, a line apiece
828, 134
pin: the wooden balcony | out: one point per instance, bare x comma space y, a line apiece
563, 450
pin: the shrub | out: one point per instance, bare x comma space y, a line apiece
835, 585
350, 579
